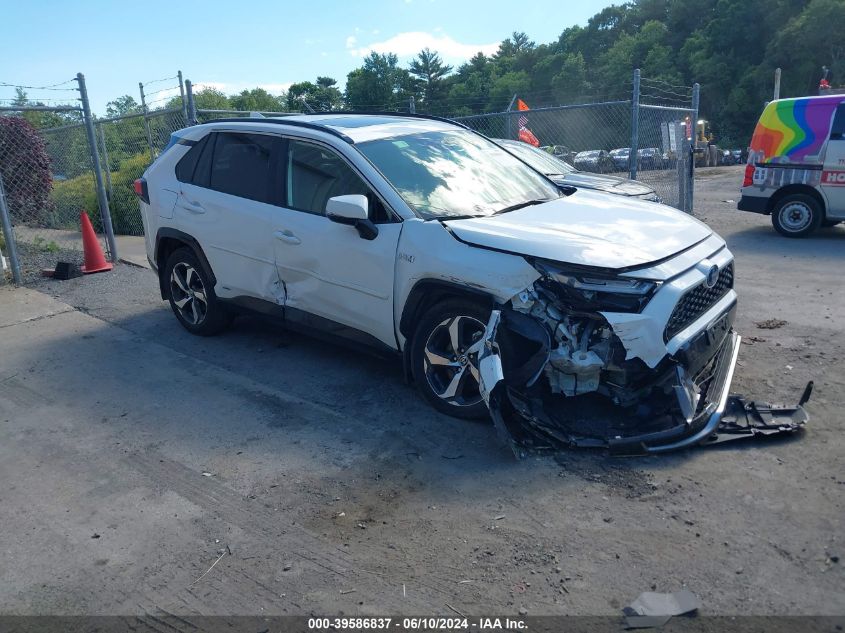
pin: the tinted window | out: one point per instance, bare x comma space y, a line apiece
838, 128
241, 165
316, 174
187, 164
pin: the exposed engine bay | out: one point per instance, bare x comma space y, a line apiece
556, 373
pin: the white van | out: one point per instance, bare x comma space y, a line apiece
796, 165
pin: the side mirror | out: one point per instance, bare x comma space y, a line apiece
352, 210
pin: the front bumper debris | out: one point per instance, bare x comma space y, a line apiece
530, 419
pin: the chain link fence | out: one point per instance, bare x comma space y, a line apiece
90, 164
48, 178
625, 138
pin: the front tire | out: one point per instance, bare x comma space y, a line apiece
444, 357
191, 295
797, 215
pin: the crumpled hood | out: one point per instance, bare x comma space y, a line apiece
611, 184
587, 228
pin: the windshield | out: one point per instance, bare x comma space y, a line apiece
621, 152
455, 173
541, 161
594, 153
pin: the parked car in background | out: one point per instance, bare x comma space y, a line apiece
796, 165
597, 160
560, 151
737, 156
620, 157
564, 174
649, 158
504, 295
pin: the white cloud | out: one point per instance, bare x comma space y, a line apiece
410, 43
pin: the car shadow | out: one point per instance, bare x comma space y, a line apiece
826, 243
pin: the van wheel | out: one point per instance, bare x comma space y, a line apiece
191, 295
444, 357
797, 215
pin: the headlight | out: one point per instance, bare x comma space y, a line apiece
596, 291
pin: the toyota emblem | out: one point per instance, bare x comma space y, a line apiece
712, 276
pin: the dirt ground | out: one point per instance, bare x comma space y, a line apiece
143, 470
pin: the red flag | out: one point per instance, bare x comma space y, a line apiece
521, 105
527, 136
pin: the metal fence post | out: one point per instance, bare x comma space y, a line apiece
103, 201
182, 95
696, 96
9, 235
106, 162
192, 106
635, 126
412, 107
508, 131
681, 156
146, 122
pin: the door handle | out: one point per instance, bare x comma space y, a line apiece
193, 207
287, 237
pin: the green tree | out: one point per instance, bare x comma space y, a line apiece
379, 84
258, 100
430, 71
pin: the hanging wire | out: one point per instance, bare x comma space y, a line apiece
50, 87
155, 81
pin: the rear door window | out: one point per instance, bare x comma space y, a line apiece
241, 165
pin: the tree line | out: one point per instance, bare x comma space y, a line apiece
730, 47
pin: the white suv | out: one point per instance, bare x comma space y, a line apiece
572, 316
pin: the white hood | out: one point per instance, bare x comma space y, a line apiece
587, 228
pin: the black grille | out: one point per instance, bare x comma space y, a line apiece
698, 301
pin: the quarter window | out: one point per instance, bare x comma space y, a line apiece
188, 163
241, 165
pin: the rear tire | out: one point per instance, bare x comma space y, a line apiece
444, 357
797, 215
191, 295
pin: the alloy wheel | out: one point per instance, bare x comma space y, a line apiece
188, 293
451, 360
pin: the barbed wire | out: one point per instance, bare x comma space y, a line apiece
50, 87
155, 81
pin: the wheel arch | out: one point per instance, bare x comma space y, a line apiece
167, 241
789, 190
427, 292
423, 295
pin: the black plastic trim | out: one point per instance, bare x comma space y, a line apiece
425, 287
754, 204
189, 241
285, 121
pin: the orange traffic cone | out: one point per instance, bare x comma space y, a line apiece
95, 261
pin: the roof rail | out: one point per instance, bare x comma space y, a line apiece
407, 115
285, 121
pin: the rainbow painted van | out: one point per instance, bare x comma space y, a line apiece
796, 164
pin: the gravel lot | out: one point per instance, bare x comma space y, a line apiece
134, 455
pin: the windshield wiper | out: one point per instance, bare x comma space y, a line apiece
520, 205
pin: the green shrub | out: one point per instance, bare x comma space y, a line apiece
25, 168
70, 196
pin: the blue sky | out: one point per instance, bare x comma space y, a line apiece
238, 45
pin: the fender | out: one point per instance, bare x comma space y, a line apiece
166, 234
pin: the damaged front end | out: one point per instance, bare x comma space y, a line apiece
595, 361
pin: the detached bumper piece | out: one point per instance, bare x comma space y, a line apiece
743, 419
530, 420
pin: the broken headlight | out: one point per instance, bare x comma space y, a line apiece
597, 291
